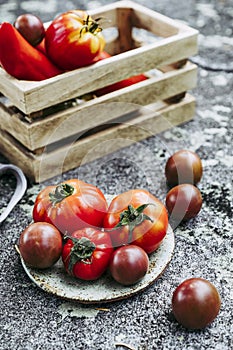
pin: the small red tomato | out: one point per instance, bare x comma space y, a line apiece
30, 27
129, 264
40, 245
183, 167
195, 303
86, 253
183, 202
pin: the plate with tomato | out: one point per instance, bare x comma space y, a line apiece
95, 248
56, 281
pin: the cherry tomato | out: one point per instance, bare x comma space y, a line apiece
70, 206
195, 303
73, 40
136, 217
183, 202
30, 27
40, 245
183, 167
129, 264
86, 254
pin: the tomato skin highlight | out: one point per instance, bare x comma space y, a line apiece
147, 235
195, 303
183, 166
183, 202
100, 257
129, 264
72, 42
40, 245
85, 206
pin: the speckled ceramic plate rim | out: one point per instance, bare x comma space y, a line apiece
57, 282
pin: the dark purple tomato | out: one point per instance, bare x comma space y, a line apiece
129, 264
183, 202
40, 245
30, 27
183, 167
195, 303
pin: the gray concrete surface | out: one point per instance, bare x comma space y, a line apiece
30, 319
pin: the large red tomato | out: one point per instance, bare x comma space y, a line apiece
70, 206
139, 218
73, 40
87, 253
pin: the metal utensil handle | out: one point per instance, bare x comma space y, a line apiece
21, 187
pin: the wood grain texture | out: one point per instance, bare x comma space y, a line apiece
79, 151
97, 111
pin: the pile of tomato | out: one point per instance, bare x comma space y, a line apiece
73, 221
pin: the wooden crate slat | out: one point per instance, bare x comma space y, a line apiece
144, 18
78, 82
47, 165
97, 111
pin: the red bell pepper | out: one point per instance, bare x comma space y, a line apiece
20, 59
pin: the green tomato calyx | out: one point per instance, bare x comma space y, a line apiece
133, 217
61, 192
81, 251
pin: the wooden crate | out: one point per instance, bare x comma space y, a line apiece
51, 126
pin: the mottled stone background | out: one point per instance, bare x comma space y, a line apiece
32, 320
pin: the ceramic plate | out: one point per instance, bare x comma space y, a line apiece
56, 281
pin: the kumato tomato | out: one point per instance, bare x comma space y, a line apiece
184, 166
40, 245
30, 27
183, 202
129, 264
195, 303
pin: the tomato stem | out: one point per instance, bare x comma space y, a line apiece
133, 217
82, 250
90, 25
61, 191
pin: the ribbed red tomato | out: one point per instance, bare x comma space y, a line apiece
70, 206
73, 40
137, 217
